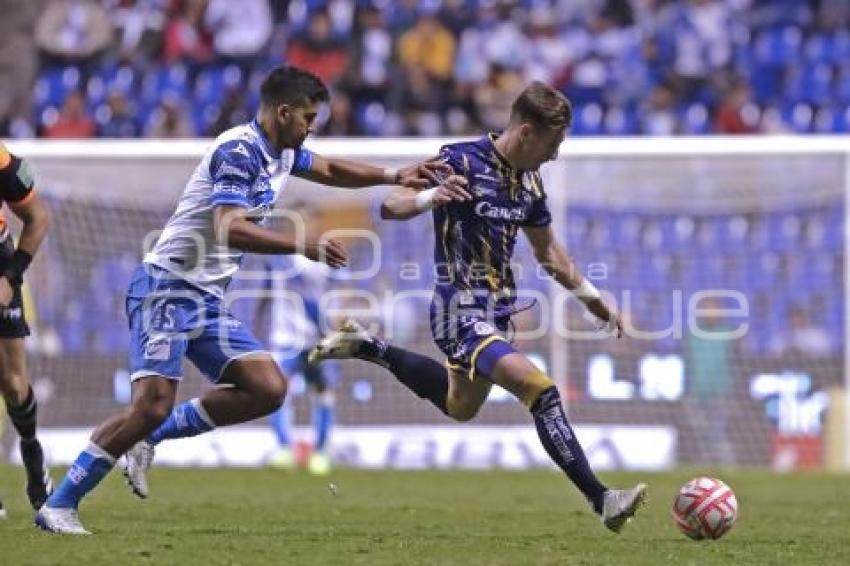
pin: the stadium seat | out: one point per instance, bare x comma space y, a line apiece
163, 81
212, 83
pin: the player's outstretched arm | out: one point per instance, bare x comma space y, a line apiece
233, 229
405, 203
351, 174
16, 187
557, 262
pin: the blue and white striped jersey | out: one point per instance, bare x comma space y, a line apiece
241, 168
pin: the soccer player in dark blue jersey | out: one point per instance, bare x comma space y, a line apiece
475, 294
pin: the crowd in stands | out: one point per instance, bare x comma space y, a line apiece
179, 68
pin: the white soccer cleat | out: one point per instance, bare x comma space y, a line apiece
620, 505
340, 345
137, 462
60, 520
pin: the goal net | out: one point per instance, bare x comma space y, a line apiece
726, 258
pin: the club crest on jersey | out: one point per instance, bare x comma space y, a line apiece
483, 329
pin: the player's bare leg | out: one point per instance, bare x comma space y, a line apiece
258, 389
22, 408
466, 396
153, 397
536, 390
253, 387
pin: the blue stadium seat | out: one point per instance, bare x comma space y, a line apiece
800, 117
212, 84
695, 119
588, 120
164, 81
810, 83
53, 84
621, 121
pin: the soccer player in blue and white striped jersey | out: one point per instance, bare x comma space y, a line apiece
176, 302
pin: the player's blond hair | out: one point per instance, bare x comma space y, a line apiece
542, 106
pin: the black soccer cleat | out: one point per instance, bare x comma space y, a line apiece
39, 484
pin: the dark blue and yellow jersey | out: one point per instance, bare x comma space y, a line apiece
475, 239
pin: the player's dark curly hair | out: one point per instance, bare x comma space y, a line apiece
293, 86
542, 106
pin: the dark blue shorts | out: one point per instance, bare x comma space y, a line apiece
471, 336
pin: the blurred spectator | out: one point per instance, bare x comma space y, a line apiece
700, 33
493, 100
18, 63
456, 16
234, 111
629, 66
186, 40
737, 113
802, 336
117, 120
139, 27
73, 32
548, 52
421, 100
341, 120
428, 46
658, 115
72, 121
318, 51
240, 30
371, 54
169, 120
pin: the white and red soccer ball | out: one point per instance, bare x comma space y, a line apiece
705, 508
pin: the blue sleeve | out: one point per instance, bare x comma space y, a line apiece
234, 168
303, 161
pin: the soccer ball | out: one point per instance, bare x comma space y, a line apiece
705, 508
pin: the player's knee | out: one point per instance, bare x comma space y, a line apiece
273, 393
153, 413
462, 411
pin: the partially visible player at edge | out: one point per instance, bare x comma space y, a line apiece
16, 189
474, 244
175, 301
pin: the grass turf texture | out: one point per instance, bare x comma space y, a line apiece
463, 518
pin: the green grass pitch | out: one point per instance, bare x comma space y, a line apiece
464, 518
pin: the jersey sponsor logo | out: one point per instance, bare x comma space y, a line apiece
158, 349
512, 214
241, 149
227, 169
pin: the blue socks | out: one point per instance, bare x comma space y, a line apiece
561, 444
187, 419
90, 467
323, 418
